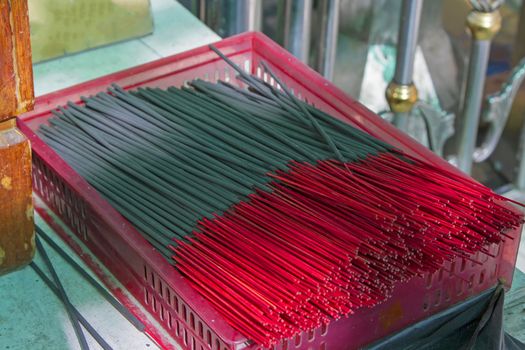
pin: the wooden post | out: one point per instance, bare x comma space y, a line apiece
16, 96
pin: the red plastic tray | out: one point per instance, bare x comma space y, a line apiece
161, 289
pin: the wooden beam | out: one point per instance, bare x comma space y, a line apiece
16, 96
16, 73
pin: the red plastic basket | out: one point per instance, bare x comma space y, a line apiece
161, 289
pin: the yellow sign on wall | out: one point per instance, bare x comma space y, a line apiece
61, 27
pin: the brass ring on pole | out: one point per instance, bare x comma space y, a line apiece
484, 25
401, 98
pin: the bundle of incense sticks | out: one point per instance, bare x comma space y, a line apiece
282, 216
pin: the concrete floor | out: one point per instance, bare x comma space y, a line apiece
32, 317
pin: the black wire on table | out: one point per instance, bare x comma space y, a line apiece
72, 316
110, 299
98, 338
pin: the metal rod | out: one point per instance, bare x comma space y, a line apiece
407, 41
202, 10
483, 26
401, 120
328, 38
252, 14
298, 19
479, 56
401, 93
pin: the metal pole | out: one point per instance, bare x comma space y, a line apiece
401, 93
407, 41
479, 55
250, 15
228, 17
202, 10
298, 19
520, 175
483, 26
328, 37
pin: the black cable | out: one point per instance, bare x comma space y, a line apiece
72, 316
109, 298
98, 338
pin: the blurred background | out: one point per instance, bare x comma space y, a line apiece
351, 42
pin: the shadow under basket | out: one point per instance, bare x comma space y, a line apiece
188, 318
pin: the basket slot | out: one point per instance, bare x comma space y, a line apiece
448, 294
437, 297
463, 265
440, 275
426, 302
182, 322
312, 340
460, 287
311, 335
481, 278
483, 257
475, 257
428, 280
227, 77
496, 249
176, 303
208, 338
494, 270
297, 340
444, 285
470, 283
70, 207
154, 303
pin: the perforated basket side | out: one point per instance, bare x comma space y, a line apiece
135, 272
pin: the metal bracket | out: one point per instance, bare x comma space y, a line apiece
497, 112
440, 125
